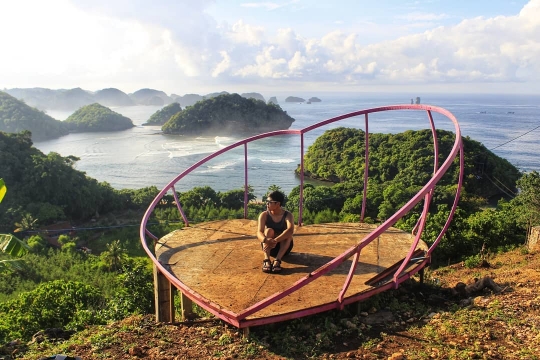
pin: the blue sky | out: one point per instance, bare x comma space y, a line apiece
185, 46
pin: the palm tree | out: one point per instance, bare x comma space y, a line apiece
27, 223
115, 255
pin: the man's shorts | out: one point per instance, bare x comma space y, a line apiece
275, 251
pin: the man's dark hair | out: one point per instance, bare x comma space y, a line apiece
277, 196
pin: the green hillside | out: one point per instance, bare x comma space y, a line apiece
161, 116
96, 117
405, 159
228, 114
16, 116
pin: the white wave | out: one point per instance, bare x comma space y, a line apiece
176, 149
223, 141
222, 165
278, 161
152, 153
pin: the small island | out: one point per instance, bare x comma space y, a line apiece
294, 99
228, 114
96, 117
160, 117
314, 99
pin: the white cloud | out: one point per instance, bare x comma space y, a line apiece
223, 65
59, 43
244, 33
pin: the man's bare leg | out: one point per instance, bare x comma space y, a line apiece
283, 247
269, 233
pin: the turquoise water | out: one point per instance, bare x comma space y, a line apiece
142, 156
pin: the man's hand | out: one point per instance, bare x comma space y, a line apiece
269, 244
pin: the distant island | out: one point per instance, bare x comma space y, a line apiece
314, 99
73, 99
228, 114
96, 117
160, 117
294, 99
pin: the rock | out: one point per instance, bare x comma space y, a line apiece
397, 356
294, 99
381, 317
136, 351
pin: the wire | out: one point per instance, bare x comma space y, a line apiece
517, 137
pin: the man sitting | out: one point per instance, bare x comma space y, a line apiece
275, 231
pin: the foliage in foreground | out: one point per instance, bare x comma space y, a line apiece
415, 322
72, 305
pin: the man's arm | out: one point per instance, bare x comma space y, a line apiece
261, 225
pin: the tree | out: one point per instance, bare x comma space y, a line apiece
115, 256
528, 200
27, 223
199, 197
234, 199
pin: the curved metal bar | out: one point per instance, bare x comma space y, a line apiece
383, 227
366, 172
454, 205
179, 206
236, 319
246, 186
301, 205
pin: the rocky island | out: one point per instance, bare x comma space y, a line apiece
294, 99
228, 114
96, 117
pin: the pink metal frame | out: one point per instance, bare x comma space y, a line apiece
241, 319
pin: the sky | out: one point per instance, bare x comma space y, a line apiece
202, 46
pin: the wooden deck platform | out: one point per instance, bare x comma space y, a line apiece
222, 262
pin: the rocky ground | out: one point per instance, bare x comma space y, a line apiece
417, 321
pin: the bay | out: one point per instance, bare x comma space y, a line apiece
143, 156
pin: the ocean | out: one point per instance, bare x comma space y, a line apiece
509, 125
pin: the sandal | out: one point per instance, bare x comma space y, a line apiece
276, 266
267, 266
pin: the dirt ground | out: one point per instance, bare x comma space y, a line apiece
417, 321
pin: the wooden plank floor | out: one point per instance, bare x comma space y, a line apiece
222, 261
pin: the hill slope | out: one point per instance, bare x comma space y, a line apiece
413, 322
228, 114
161, 116
96, 117
16, 116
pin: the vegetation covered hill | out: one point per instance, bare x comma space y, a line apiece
406, 159
48, 189
16, 116
228, 114
163, 115
96, 117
